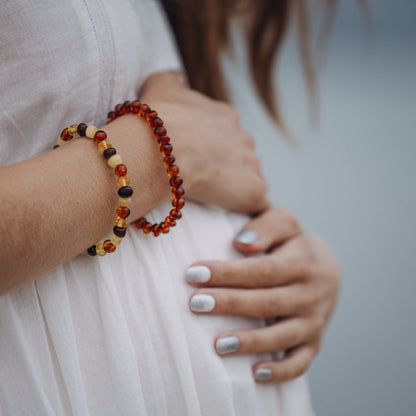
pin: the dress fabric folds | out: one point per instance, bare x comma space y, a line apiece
113, 335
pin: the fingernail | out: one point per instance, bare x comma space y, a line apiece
247, 237
202, 303
263, 374
227, 345
198, 274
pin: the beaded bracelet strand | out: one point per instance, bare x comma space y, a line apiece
124, 192
156, 124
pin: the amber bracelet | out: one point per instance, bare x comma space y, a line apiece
156, 124
124, 192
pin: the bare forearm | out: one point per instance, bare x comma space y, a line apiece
58, 204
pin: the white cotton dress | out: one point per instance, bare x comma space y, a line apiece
112, 335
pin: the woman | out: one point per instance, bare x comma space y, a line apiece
114, 335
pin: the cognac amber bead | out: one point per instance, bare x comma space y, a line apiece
125, 107
151, 115
109, 152
109, 247
176, 215
164, 228
170, 221
82, 127
140, 223
147, 228
134, 106
99, 248
169, 160
159, 131
143, 109
121, 170
105, 144
99, 136
176, 181
156, 122
178, 203
163, 140
119, 231
121, 222
123, 181
111, 116
73, 130
178, 192
123, 212
166, 149
125, 191
117, 109
65, 136
172, 170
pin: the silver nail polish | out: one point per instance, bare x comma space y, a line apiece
198, 274
247, 237
202, 303
263, 374
227, 345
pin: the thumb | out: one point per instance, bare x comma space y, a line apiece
272, 227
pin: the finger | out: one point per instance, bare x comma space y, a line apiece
270, 228
285, 335
287, 264
295, 363
259, 303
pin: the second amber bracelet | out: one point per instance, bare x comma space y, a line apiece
124, 191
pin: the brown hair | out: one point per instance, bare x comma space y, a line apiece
201, 28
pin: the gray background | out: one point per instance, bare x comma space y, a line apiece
352, 181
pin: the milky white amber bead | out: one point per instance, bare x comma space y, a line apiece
90, 132
60, 142
99, 248
124, 202
115, 160
115, 240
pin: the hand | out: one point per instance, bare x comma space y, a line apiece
296, 281
215, 155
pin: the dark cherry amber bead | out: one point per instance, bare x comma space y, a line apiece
117, 109
177, 215
159, 131
123, 212
109, 247
151, 115
119, 231
172, 170
65, 135
91, 251
143, 109
134, 106
121, 170
176, 181
56, 146
163, 140
111, 116
125, 107
166, 149
99, 136
109, 152
178, 192
125, 191
140, 223
156, 122
178, 203
82, 127
169, 160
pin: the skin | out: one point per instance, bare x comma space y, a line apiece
296, 279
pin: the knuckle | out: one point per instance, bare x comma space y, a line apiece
266, 270
292, 338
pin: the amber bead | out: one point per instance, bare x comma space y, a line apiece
178, 203
178, 192
140, 223
121, 222
111, 116
156, 122
121, 170
73, 130
90, 131
125, 191
119, 231
176, 181
117, 109
109, 152
177, 215
65, 136
164, 228
163, 140
60, 142
170, 221
166, 149
123, 181
82, 127
125, 107
172, 170
91, 251
123, 212
124, 202
143, 109
134, 106
116, 240
169, 160
159, 131
147, 228
114, 160
99, 248
151, 115
109, 247
99, 136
